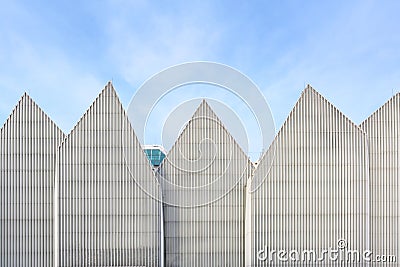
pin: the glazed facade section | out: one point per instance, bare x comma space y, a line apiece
28, 145
316, 192
106, 215
383, 128
92, 198
203, 180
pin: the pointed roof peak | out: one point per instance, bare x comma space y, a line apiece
205, 110
310, 89
204, 103
26, 101
309, 93
387, 103
26, 96
108, 89
395, 95
108, 93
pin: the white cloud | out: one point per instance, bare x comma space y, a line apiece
165, 40
347, 51
56, 83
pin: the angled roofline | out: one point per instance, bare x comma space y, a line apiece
380, 108
128, 128
309, 87
26, 95
204, 102
305, 90
124, 113
109, 83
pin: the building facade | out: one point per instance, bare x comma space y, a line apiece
311, 188
108, 213
383, 129
97, 197
28, 144
203, 181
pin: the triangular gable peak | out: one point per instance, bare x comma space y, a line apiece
204, 157
315, 153
28, 111
107, 167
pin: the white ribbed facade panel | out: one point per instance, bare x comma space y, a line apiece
105, 216
203, 180
28, 145
92, 198
316, 191
383, 128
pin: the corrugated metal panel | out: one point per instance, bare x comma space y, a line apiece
28, 144
105, 218
382, 128
203, 180
316, 191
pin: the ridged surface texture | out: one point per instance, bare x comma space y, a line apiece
28, 145
311, 187
383, 129
203, 179
92, 198
106, 191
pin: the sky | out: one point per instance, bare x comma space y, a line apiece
64, 52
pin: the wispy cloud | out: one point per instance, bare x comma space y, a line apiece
51, 76
63, 53
142, 45
350, 55
51, 79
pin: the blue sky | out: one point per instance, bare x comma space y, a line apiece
64, 52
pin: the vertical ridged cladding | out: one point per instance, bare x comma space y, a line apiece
383, 128
28, 145
105, 218
203, 180
316, 190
